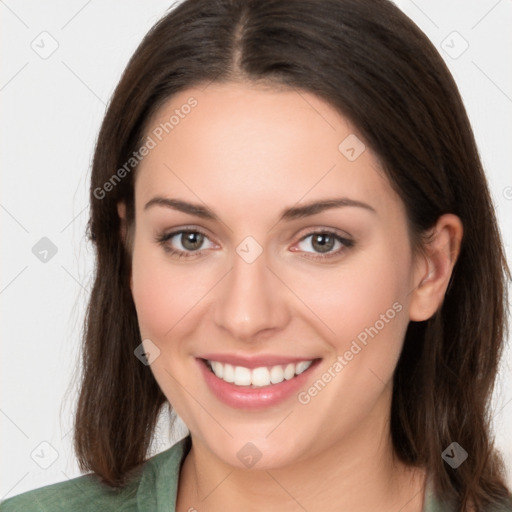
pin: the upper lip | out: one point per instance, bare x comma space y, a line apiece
256, 361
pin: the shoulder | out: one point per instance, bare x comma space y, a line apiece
89, 493
504, 507
84, 493
434, 503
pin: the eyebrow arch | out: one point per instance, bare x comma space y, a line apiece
314, 207
182, 206
294, 212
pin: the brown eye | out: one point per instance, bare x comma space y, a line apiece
184, 243
322, 242
191, 240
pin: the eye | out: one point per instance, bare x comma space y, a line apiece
324, 244
185, 243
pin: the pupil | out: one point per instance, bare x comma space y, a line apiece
323, 243
192, 241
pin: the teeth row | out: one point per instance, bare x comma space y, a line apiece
258, 377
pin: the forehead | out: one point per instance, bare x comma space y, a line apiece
244, 145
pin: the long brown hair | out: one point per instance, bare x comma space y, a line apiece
372, 63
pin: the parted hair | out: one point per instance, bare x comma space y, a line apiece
376, 67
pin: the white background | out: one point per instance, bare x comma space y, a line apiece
51, 111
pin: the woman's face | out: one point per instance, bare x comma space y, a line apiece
262, 279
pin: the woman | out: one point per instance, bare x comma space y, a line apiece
297, 250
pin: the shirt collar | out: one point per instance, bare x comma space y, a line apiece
158, 488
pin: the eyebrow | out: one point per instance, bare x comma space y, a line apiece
294, 212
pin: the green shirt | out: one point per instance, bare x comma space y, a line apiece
152, 489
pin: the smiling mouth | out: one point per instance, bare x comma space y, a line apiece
257, 377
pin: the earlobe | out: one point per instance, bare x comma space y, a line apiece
435, 267
121, 211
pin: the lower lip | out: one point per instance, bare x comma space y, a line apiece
245, 397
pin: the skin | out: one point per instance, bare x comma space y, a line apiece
247, 152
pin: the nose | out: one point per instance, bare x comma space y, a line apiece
252, 301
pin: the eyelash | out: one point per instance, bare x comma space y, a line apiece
163, 238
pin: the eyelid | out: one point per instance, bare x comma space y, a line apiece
163, 237
324, 230
344, 239
169, 233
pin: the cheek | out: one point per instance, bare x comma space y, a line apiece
150, 294
353, 298
374, 318
165, 293
365, 308
158, 295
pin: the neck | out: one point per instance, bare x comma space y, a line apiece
357, 474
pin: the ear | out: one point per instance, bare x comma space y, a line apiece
434, 268
121, 211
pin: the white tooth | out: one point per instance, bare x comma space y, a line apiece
242, 376
276, 374
260, 377
229, 373
289, 371
217, 368
302, 367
